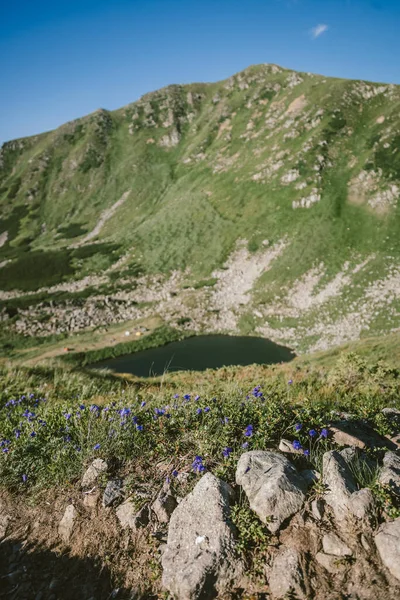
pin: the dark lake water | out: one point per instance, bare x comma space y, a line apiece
197, 354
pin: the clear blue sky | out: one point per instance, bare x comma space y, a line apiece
62, 59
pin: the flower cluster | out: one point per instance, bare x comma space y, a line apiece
197, 465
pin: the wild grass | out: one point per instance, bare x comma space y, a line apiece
54, 421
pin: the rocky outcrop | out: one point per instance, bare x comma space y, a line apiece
129, 516
274, 488
199, 560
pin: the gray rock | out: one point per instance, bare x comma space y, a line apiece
387, 541
129, 516
390, 474
67, 523
362, 504
273, 486
330, 562
199, 560
340, 483
358, 434
97, 467
113, 492
164, 505
318, 509
286, 576
332, 544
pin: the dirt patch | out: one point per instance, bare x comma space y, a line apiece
297, 105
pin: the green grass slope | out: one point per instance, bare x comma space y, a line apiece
269, 154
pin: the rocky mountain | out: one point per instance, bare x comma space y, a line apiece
265, 203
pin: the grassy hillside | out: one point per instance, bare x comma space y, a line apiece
303, 171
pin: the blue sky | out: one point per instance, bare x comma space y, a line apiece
62, 59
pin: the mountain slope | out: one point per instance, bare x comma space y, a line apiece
288, 181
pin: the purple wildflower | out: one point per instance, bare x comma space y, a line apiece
296, 445
312, 433
324, 433
298, 426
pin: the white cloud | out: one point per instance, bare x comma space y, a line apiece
318, 30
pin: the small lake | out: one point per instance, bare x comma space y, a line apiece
197, 354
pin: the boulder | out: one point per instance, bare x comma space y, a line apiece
97, 467
128, 515
387, 541
275, 489
199, 560
358, 434
67, 523
332, 544
390, 473
113, 492
286, 577
164, 505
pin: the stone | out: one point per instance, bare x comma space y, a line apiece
358, 434
97, 467
339, 482
286, 446
67, 523
318, 509
4, 521
390, 473
113, 492
274, 488
332, 544
129, 516
199, 560
90, 500
164, 505
286, 576
362, 504
330, 562
387, 541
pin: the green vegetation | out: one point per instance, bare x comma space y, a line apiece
54, 420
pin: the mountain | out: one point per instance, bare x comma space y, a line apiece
265, 203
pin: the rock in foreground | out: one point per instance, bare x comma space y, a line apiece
199, 560
275, 489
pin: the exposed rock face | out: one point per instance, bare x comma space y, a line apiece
275, 489
97, 467
390, 474
164, 505
199, 560
286, 576
388, 543
67, 523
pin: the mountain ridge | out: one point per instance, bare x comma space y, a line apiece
216, 178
